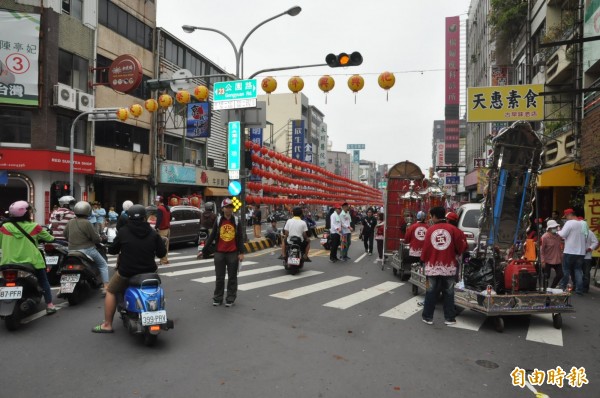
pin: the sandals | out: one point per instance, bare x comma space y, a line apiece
98, 329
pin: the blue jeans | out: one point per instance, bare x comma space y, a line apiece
434, 285
99, 262
42, 278
344, 252
572, 263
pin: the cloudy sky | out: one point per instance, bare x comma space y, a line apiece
405, 37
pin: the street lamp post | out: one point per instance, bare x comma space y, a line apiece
239, 62
107, 112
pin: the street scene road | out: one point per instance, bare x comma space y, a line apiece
343, 329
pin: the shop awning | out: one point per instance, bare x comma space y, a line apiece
565, 175
213, 191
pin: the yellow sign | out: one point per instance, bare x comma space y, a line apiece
592, 215
505, 103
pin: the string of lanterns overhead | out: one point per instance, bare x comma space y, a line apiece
326, 83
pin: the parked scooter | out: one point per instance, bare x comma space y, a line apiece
326, 241
79, 274
20, 293
55, 254
293, 260
142, 307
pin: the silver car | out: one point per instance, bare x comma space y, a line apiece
468, 222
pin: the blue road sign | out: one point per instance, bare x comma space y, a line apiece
235, 188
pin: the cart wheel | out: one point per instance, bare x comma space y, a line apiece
395, 271
499, 324
415, 290
557, 321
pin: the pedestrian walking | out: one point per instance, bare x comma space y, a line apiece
228, 235
369, 222
379, 230
591, 244
443, 243
163, 225
551, 252
335, 233
574, 232
346, 235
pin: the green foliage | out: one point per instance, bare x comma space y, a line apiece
507, 17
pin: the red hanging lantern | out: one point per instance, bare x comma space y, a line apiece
264, 150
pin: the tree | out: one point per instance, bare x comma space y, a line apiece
506, 18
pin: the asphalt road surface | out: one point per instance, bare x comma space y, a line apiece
334, 330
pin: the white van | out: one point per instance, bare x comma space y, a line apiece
468, 222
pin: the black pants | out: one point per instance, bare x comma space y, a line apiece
558, 273
226, 262
380, 248
368, 242
335, 243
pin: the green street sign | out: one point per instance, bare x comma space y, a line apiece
234, 90
382, 184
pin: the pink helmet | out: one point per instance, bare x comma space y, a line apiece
18, 209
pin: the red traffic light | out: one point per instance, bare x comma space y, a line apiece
343, 59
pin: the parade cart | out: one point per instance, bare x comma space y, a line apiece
495, 280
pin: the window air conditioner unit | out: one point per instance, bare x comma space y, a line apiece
85, 101
199, 162
65, 96
538, 59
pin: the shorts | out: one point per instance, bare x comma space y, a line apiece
117, 284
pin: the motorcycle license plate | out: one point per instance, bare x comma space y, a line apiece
293, 261
67, 287
51, 260
69, 278
11, 293
154, 318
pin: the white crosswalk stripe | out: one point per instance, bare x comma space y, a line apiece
404, 310
542, 331
301, 291
277, 280
366, 294
256, 271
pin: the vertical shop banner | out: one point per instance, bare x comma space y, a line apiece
19, 49
298, 139
198, 120
452, 91
323, 147
256, 137
592, 215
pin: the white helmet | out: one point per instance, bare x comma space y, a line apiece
66, 201
82, 209
127, 204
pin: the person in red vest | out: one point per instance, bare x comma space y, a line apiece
163, 225
415, 236
443, 243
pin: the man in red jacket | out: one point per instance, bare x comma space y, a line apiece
443, 242
163, 225
415, 237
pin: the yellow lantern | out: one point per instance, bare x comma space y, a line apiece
295, 84
201, 93
326, 84
183, 97
386, 81
269, 85
122, 114
136, 110
151, 105
165, 101
356, 83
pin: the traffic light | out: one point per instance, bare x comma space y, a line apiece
343, 59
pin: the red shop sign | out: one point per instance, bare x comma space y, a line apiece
125, 73
33, 159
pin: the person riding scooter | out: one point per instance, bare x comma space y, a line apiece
295, 226
83, 237
61, 216
137, 244
18, 248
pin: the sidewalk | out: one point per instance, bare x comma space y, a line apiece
256, 244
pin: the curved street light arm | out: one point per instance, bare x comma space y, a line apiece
284, 68
235, 49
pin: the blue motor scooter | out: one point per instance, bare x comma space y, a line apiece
142, 307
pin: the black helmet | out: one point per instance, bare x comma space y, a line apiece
137, 212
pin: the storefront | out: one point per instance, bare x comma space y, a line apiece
556, 186
189, 181
42, 177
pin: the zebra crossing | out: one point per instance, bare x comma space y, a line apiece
540, 328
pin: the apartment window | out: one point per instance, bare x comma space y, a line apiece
123, 136
63, 133
73, 8
73, 70
124, 23
15, 126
